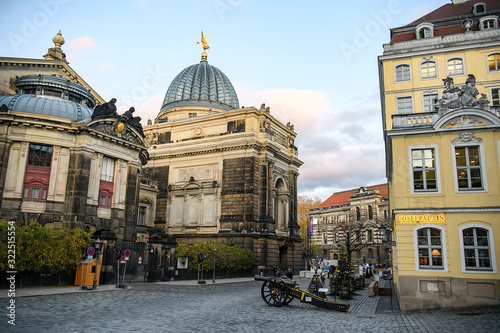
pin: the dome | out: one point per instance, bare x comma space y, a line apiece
201, 85
47, 106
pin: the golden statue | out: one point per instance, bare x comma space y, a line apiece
204, 42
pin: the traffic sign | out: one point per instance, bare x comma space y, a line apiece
127, 253
90, 251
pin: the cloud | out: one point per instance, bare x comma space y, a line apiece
146, 109
82, 44
342, 148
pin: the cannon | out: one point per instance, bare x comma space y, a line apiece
278, 291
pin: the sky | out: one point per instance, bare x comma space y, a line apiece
314, 63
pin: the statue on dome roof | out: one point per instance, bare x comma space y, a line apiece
204, 42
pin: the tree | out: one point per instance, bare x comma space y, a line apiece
350, 234
45, 250
304, 205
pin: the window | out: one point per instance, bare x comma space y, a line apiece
106, 182
191, 115
425, 33
468, 168
358, 214
477, 248
403, 73
37, 175
404, 105
142, 216
370, 212
488, 22
430, 248
50, 92
424, 30
494, 62
40, 155
428, 70
423, 175
455, 66
495, 96
429, 102
479, 8
369, 236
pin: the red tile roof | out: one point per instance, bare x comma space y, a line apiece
450, 10
447, 12
342, 198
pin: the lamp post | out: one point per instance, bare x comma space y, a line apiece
382, 229
215, 256
97, 246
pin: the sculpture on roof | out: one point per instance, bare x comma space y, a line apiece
135, 122
454, 97
107, 109
204, 42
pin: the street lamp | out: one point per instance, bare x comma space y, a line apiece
215, 255
382, 229
97, 246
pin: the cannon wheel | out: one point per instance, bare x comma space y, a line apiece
275, 293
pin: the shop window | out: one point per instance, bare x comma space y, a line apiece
430, 248
477, 248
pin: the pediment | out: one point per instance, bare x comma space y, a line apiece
118, 128
467, 118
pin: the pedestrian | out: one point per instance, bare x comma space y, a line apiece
323, 276
289, 274
275, 271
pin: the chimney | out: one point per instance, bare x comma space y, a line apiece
457, 2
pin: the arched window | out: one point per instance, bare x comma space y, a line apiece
402, 73
424, 30
370, 212
494, 62
477, 248
455, 66
428, 69
430, 248
358, 214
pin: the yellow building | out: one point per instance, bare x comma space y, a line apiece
440, 87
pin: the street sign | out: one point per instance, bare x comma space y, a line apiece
90, 251
127, 253
140, 260
123, 258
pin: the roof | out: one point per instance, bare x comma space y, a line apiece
201, 85
451, 10
47, 106
342, 198
447, 19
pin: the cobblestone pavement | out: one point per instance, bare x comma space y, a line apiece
235, 307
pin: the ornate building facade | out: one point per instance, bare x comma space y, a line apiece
67, 157
440, 85
350, 221
225, 173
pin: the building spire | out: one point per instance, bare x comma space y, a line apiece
56, 53
205, 46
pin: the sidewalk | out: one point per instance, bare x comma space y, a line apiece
42, 291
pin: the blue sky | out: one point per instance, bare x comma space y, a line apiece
313, 62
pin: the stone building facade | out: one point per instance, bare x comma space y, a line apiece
225, 174
67, 157
351, 219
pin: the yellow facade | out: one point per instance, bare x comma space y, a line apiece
443, 163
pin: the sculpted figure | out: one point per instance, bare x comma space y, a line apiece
204, 42
469, 92
105, 110
451, 95
128, 114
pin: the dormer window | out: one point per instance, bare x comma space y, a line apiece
488, 22
479, 8
425, 30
